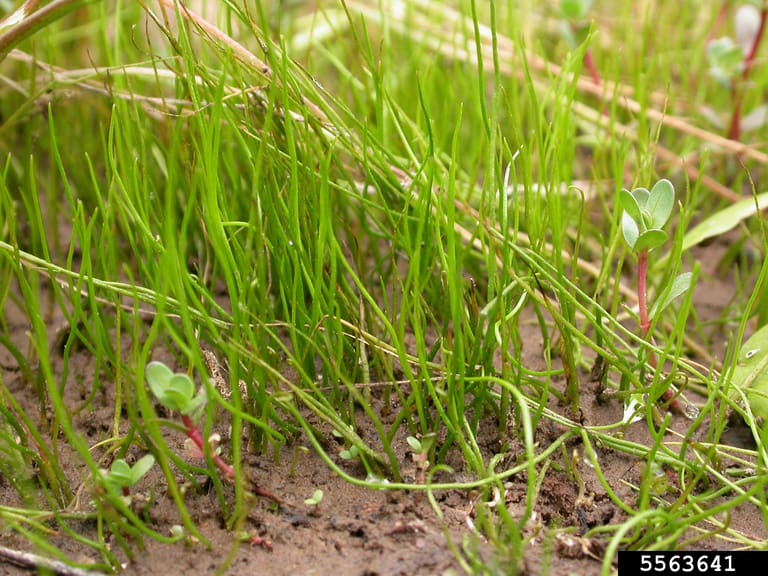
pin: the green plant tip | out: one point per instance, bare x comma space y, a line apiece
645, 213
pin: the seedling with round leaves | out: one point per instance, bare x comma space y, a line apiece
726, 60
730, 63
420, 455
176, 391
315, 499
644, 215
122, 477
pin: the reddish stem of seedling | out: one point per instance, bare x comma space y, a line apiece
734, 131
193, 433
642, 291
642, 299
589, 62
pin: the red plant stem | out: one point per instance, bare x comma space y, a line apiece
589, 62
193, 433
642, 300
642, 284
734, 130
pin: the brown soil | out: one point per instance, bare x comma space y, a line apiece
356, 531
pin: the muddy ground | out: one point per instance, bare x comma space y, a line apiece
357, 531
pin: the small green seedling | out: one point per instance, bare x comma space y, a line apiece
121, 476
315, 499
645, 213
176, 391
420, 454
730, 63
750, 375
351, 453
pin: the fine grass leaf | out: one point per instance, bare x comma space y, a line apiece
751, 372
725, 220
680, 286
660, 202
650, 239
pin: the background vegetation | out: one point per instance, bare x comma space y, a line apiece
392, 216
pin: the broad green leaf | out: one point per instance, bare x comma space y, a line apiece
120, 473
629, 204
158, 375
183, 385
196, 404
660, 202
680, 286
751, 372
650, 239
173, 400
641, 197
142, 466
629, 230
414, 443
725, 220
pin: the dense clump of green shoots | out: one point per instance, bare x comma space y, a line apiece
176, 392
